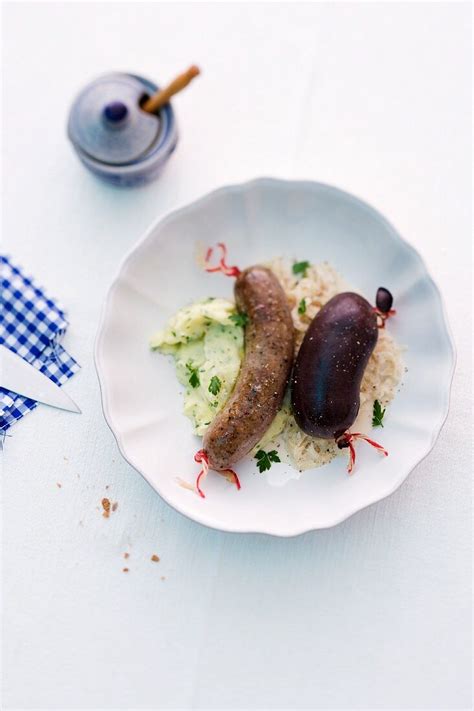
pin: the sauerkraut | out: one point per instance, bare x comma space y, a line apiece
306, 295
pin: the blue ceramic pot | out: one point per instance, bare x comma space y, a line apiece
113, 137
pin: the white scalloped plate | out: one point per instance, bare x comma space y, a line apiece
260, 220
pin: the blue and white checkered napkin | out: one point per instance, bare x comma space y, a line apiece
31, 325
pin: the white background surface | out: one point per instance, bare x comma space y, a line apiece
372, 614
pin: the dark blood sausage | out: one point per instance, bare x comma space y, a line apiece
264, 374
330, 364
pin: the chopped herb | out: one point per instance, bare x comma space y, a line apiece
377, 415
215, 385
174, 333
193, 375
207, 423
302, 306
265, 459
301, 268
240, 319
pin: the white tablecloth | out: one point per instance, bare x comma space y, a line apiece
374, 613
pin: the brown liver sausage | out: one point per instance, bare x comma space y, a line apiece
263, 377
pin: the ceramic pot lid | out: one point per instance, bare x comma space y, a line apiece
107, 123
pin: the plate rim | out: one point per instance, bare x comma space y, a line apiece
199, 201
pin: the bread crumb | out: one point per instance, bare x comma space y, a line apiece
115, 506
162, 577
106, 507
155, 558
126, 555
58, 485
125, 570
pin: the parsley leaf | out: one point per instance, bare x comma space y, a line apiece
302, 306
240, 319
301, 268
193, 375
214, 385
265, 459
377, 415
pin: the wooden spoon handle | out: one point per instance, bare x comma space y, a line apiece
155, 102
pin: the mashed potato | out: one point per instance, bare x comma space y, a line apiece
208, 348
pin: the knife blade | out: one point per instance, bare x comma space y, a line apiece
24, 379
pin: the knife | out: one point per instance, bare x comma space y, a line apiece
20, 377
